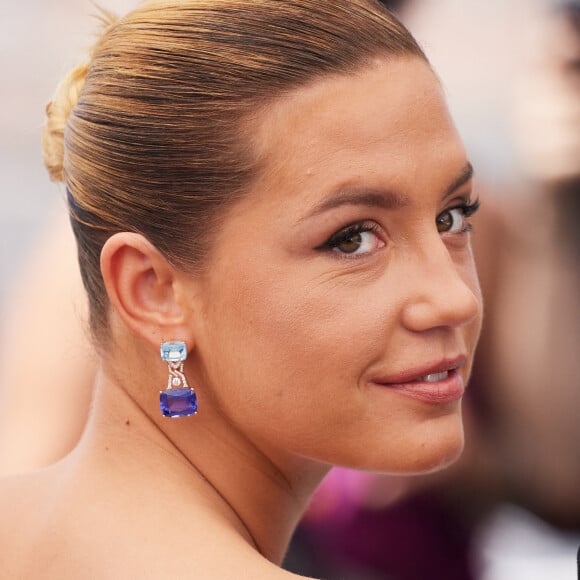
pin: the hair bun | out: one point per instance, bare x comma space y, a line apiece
57, 114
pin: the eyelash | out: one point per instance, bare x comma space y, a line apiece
467, 209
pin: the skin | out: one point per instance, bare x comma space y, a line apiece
287, 338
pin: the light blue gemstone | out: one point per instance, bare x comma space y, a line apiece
173, 351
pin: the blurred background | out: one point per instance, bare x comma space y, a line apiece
39, 42
510, 508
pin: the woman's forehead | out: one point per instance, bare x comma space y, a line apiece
392, 109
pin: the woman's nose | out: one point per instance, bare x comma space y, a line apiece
444, 291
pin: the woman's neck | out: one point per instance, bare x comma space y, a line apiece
262, 498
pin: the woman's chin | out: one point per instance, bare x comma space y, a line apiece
438, 445
430, 449
437, 452
440, 459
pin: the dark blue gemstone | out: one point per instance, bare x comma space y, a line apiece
178, 402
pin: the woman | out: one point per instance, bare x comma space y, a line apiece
275, 194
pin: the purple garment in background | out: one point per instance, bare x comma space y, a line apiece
415, 539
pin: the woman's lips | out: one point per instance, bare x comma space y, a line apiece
436, 384
448, 388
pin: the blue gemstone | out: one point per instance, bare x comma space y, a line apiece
178, 402
173, 351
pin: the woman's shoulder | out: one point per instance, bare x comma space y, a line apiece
24, 502
47, 531
21, 499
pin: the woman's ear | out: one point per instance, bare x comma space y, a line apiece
145, 289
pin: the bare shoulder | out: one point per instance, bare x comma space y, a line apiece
21, 497
254, 569
215, 556
245, 571
23, 505
285, 575
279, 574
47, 531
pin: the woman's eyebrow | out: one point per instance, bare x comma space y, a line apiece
465, 175
381, 198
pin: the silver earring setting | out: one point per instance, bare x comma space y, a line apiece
179, 399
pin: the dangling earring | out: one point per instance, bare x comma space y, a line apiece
178, 400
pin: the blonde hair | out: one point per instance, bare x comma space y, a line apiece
57, 114
153, 135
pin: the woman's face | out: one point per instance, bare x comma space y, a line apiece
340, 311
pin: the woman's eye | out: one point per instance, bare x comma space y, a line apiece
355, 240
454, 220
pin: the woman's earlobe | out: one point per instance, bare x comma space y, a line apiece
144, 288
